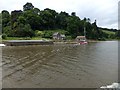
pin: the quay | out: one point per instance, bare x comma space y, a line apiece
27, 42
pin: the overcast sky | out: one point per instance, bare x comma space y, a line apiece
104, 11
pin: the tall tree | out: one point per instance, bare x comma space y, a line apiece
14, 16
61, 20
97, 34
33, 18
73, 25
36, 11
28, 6
5, 18
73, 14
118, 34
49, 18
0, 24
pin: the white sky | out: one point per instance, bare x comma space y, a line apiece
104, 11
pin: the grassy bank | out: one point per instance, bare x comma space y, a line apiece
39, 38
109, 32
25, 38
47, 35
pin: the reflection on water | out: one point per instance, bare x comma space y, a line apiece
60, 66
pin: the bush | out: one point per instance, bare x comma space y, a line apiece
4, 36
112, 36
39, 33
68, 37
47, 34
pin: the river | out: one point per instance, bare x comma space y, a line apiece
60, 66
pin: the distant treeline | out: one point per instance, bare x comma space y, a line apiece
31, 20
113, 30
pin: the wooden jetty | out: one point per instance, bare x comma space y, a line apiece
27, 42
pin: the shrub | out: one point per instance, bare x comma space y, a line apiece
4, 36
68, 37
47, 34
39, 33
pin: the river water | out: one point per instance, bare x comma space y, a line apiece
60, 66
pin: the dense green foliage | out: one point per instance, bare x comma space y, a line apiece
33, 22
118, 34
0, 24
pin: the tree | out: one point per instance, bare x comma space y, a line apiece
14, 17
23, 31
27, 31
21, 19
88, 20
117, 34
5, 14
0, 24
61, 20
7, 30
0, 18
25, 23
5, 18
73, 26
73, 14
97, 34
49, 18
28, 6
33, 19
36, 11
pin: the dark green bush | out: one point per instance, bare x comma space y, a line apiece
47, 34
4, 36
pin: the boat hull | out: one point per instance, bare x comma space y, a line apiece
83, 42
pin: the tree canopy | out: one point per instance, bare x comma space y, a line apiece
25, 23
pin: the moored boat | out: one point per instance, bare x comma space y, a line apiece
81, 40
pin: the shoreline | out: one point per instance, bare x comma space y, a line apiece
27, 42
44, 42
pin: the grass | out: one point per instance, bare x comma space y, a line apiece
108, 32
25, 38
51, 32
37, 37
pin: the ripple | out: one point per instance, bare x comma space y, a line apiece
65, 64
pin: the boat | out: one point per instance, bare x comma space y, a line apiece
83, 42
82, 39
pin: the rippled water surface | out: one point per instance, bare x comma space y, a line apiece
60, 66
